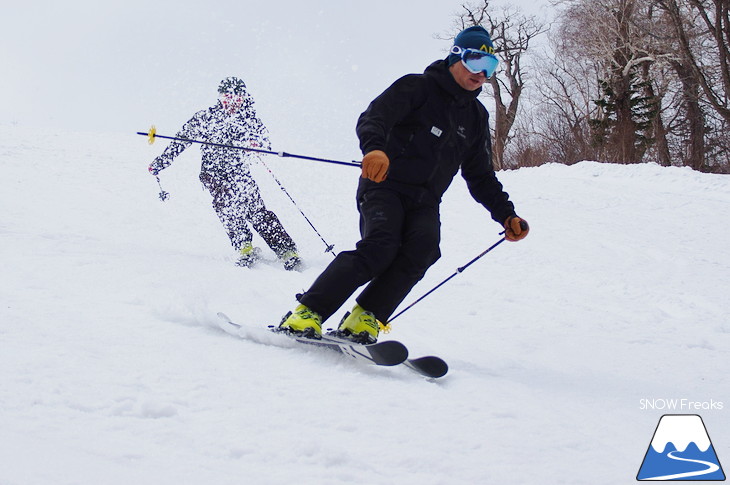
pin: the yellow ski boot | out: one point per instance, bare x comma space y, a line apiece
360, 326
302, 321
291, 260
249, 256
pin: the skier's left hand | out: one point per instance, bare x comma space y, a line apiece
156, 166
515, 228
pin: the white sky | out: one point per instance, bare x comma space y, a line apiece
124, 65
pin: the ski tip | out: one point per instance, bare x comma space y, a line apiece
389, 352
226, 321
429, 366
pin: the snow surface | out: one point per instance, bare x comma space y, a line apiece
113, 370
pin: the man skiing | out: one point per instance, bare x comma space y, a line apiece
415, 137
226, 174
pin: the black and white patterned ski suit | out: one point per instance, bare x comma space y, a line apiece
225, 172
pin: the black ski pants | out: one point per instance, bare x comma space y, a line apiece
400, 241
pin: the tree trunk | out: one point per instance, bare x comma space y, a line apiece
661, 144
500, 134
657, 130
624, 142
695, 154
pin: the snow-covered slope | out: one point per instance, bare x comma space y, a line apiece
113, 371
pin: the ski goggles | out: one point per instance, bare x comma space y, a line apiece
231, 102
230, 98
476, 61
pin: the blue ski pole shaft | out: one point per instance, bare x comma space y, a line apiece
153, 135
458, 270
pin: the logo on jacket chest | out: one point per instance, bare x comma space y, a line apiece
460, 131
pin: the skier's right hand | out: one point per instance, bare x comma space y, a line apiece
157, 166
375, 166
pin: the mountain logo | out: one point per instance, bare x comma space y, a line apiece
680, 450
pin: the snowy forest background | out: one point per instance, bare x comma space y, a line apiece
621, 81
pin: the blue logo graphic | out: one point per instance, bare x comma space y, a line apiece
681, 450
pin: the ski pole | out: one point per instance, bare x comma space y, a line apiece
330, 247
152, 134
458, 270
163, 194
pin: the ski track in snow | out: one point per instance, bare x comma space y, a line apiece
114, 370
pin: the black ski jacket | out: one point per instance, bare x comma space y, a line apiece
429, 127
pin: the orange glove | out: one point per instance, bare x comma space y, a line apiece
375, 166
515, 228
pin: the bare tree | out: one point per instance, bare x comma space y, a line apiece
698, 32
673, 76
564, 104
702, 30
606, 32
511, 32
